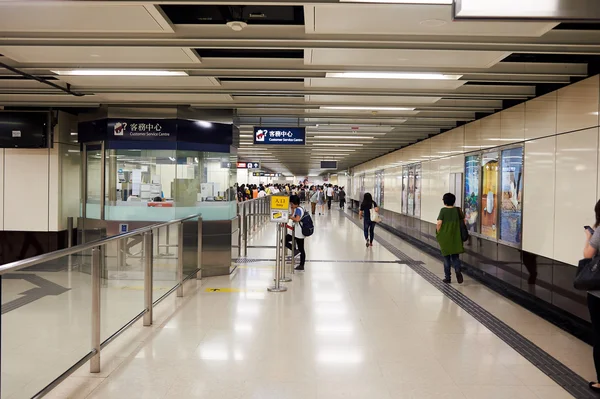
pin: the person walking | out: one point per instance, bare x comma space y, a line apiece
449, 237
296, 216
365, 213
314, 198
321, 201
342, 197
329, 196
592, 245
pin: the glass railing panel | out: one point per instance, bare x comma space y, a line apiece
122, 288
164, 275
46, 324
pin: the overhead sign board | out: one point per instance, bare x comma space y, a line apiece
279, 211
263, 174
142, 129
328, 164
279, 135
527, 10
248, 165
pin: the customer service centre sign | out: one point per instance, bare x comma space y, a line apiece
279, 135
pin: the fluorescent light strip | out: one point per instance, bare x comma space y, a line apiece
367, 108
393, 75
433, 2
349, 137
118, 72
338, 144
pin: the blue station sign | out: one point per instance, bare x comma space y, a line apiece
279, 135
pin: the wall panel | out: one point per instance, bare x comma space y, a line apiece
577, 106
512, 127
473, 136
540, 116
538, 196
26, 189
576, 180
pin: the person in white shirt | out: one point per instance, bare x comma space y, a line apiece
262, 193
329, 196
296, 216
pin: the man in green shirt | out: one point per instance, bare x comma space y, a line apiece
449, 238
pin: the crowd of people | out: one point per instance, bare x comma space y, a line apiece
318, 196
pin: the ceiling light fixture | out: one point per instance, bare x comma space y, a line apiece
393, 75
204, 124
367, 108
346, 137
338, 144
117, 72
430, 2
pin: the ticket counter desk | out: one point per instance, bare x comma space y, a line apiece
129, 183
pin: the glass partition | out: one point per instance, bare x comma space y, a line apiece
161, 185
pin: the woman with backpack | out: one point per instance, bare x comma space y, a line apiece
592, 245
449, 237
365, 213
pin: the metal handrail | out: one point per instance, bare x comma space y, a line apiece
35, 260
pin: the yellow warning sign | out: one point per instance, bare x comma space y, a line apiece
280, 202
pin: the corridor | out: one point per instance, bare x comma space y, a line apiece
359, 323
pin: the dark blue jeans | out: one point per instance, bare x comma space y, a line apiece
449, 261
369, 227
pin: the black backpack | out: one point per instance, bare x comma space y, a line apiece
306, 224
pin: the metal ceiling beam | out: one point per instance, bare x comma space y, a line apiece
551, 43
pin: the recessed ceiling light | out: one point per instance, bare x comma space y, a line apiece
204, 124
117, 72
393, 75
367, 108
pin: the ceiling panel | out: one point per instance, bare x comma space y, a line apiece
405, 58
402, 84
99, 55
140, 81
74, 17
411, 19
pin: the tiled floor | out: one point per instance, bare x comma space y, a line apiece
342, 330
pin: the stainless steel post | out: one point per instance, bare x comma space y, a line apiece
284, 279
180, 259
148, 284
293, 262
102, 181
245, 235
168, 240
278, 287
199, 275
240, 223
70, 239
96, 265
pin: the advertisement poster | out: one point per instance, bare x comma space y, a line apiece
472, 192
512, 194
411, 191
404, 190
418, 190
489, 200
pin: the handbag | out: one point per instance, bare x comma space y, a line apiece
375, 218
587, 277
464, 232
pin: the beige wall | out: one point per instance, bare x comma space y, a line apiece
561, 173
39, 188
